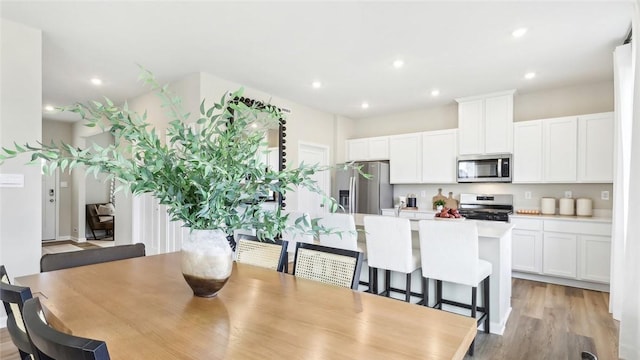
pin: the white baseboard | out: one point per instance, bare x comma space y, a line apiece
76, 239
562, 281
63, 237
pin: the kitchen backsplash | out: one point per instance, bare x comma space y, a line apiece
592, 191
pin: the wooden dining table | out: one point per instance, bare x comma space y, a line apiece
143, 309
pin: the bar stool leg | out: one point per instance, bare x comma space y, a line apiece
486, 289
425, 291
387, 282
439, 294
407, 296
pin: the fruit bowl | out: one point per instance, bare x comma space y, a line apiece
449, 214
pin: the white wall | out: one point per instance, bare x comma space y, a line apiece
20, 121
574, 100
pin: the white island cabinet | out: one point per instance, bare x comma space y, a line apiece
495, 247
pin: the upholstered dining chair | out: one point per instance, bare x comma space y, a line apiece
301, 221
271, 254
328, 265
389, 247
51, 262
53, 344
450, 253
342, 228
14, 298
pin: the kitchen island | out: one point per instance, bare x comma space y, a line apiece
495, 246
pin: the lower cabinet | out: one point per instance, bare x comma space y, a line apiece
527, 250
577, 250
560, 252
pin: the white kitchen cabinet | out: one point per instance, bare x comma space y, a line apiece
367, 149
357, 149
485, 124
560, 252
527, 251
527, 151
560, 139
439, 152
595, 258
595, 148
405, 158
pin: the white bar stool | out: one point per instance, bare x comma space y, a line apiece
389, 248
450, 252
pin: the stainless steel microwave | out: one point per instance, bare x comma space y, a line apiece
484, 168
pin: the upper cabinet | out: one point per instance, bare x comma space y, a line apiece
595, 148
405, 158
564, 150
560, 151
485, 123
439, 150
366, 149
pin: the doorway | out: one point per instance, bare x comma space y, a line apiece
50, 206
309, 201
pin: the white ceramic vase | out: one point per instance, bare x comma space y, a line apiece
206, 261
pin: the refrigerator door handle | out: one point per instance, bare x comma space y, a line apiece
352, 194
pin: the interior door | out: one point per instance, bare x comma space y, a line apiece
309, 201
49, 201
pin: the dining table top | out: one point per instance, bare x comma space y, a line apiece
143, 309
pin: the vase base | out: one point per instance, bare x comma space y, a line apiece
204, 287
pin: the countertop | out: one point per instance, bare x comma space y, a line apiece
601, 216
488, 229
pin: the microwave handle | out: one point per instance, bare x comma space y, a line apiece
499, 168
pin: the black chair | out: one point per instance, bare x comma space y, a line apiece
14, 298
329, 265
51, 262
588, 356
271, 254
53, 344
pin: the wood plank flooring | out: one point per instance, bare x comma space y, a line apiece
548, 321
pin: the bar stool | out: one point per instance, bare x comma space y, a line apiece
347, 239
389, 248
450, 252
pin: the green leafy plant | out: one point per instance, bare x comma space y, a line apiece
209, 178
439, 202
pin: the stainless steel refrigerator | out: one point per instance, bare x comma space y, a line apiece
357, 194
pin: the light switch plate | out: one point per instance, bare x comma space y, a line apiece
604, 195
568, 194
527, 195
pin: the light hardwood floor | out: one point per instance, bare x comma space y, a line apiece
547, 322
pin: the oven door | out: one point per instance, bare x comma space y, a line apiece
484, 169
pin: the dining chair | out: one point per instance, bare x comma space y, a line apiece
450, 252
328, 265
53, 344
389, 247
271, 254
13, 298
51, 262
298, 225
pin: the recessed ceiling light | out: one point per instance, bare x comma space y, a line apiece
365, 105
435, 92
529, 75
49, 108
96, 81
316, 84
519, 32
398, 63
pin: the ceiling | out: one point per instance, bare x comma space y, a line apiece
459, 47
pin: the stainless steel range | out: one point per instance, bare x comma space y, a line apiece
486, 206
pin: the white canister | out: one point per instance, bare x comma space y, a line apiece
548, 206
567, 206
584, 207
